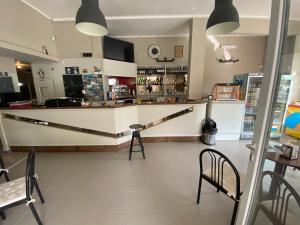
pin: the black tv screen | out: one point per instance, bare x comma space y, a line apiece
118, 50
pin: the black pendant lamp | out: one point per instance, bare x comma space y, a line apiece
224, 19
90, 20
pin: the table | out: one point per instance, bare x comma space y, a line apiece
282, 163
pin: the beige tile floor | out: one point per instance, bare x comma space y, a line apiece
107, 189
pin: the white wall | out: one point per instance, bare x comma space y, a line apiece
25, 27
250, 52
52, 71
71, 44
167, 45
8, 65
55, 71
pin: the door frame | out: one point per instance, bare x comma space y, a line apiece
265, 110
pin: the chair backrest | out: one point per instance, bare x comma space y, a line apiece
216, 172
30, 173
281, 199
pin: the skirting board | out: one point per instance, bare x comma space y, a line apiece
101, 148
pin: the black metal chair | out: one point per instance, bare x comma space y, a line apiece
20, 191
215, 176
3, 170
136, 135
277, 209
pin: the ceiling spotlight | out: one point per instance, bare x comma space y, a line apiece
224, 19
90, 20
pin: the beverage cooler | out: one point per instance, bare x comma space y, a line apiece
250, 91
281, 105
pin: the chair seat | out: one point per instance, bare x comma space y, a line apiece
229, 180
293, 211
136, 126
12, 191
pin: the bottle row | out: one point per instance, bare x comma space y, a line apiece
155, 70
177, 70
160, 81
150, 70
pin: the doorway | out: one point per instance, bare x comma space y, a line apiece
272, 195
25, 78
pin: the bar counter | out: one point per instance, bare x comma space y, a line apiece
104, 128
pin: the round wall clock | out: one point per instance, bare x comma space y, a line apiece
154, 51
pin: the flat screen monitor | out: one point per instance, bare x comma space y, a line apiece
118, 50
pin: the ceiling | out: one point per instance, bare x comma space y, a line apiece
149, 17
58, 9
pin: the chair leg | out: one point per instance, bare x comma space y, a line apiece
38, 220
141, 144
199, 189
2, 214
131, 145
254, 215
236, 205
6, 176
38, 190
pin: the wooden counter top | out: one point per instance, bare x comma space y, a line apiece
109, 107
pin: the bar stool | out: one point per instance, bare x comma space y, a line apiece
136, 135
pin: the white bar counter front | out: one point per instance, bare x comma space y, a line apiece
107, 128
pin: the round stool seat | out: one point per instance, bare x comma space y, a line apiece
136, 126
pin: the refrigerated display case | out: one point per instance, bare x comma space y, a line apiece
281, 105
250, 90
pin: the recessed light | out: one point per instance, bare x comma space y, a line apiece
194, 7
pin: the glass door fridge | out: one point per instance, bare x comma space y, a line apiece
281, 105
250, 91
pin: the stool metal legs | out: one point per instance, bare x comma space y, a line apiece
136, 135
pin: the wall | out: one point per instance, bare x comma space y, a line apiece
70, 43
167, 45
23, 26
55, 71
52, 71
197, 57
8, 65
250, 52
198, 44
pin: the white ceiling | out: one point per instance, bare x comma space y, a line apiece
152, 17
58, 9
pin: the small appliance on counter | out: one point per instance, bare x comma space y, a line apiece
6, 98
121, 92
63, 102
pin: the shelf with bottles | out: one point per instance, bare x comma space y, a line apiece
176, 70
153, 80
176, 81
151, 70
